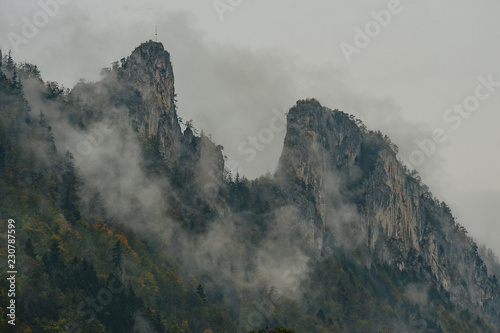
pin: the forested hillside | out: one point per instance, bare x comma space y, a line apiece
127, 220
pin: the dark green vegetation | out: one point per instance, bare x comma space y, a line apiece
276, 330
84, 265
66, 262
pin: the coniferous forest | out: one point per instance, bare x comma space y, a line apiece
127, 220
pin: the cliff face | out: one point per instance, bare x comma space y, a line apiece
358, 207
141, 91
325, 149
346, 181
203, 158
317, 144
149, 77
148, 72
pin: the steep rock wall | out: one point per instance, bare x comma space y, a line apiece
327, 149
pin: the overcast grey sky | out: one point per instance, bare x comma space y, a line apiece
236, 61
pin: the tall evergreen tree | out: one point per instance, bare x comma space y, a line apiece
117, 254
70, 192
201, 292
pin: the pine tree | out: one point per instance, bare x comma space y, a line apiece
201, 292
16, 81
70, 193
88, 277
321, 316
95, 210
30, 250
117, 254
55, 253
28, 70
10, 65
155, 320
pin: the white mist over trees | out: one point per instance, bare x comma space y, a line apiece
341, 230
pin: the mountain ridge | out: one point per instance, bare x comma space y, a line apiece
341, 210
401, 210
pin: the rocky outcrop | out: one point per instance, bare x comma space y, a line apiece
345, 181
318, 142
204, 159
140, 91
148, 74
335, 162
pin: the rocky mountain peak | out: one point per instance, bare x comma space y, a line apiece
150, 79
150, 63
362, 232
330, 160
149, 70
318, 140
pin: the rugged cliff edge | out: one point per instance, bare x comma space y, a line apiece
342, 238
140, 90
330, 163
150, 78
325, 149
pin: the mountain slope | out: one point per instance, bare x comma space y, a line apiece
393, 208
341, 239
